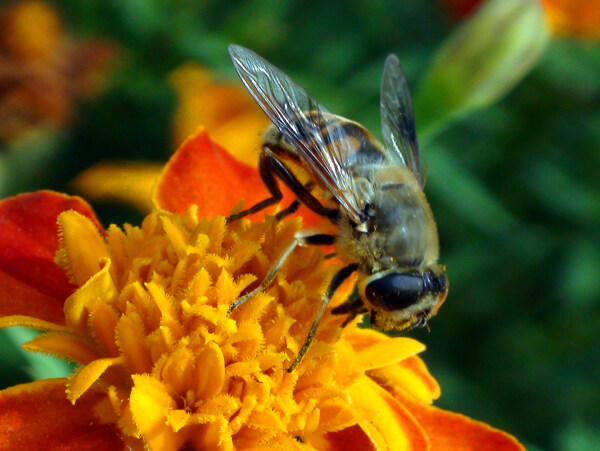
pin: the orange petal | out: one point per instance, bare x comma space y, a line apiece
85, 300
134, 348
82, 380
209, 383
388, 352
242, 136
39, 416
127, 182
61, 345
31, 323
574, 18
412, 376
362, 338
387, 423
150, 402
203, 173
33, 284
229, 114
83, 250
454, 432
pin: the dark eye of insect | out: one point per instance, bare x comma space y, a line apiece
434, 283
395, 291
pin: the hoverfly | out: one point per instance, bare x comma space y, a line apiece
374, 193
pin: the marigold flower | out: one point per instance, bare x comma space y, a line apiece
579, 18
574, 17
164, 366
43, 71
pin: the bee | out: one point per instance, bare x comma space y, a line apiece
371, 192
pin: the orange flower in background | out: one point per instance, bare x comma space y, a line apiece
574, 17
579, 18
164, 366
228, 113
42, 70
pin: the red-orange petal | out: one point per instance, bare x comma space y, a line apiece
18, 298
35, 285
449, 431
39, 416
201, 172
352, 438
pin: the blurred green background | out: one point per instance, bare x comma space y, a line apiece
515, 187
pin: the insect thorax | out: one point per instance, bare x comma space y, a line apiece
401, 232
335, 131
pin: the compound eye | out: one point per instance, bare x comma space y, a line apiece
435, 283
395, 291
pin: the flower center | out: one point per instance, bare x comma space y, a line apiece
152, 304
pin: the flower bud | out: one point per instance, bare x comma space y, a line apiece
481, 61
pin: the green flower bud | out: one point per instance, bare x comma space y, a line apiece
481, 61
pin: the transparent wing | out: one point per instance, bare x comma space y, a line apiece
319, 139
398, 119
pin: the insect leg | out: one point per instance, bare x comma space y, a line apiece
269, 167
294, 206
353, 307
317, 239
353, 314
266, 173
302, 192
270, 275
289, 210
348, 306
335, 283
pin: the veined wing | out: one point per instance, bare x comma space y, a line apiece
398, 119
317, 136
